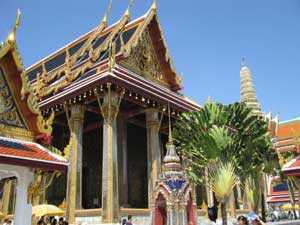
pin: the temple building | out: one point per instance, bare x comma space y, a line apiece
109, 91
24, 137
287, 140
107, 100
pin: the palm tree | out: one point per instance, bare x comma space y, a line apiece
228, 133
223, 180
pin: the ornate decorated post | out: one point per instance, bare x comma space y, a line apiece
74, 186
7, 192
153, 149
173, 200
110, 193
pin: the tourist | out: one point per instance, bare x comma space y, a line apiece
124, 221
257, 221
7, 222
61, 221
242, 220
54, 221
129, 221
41, 222
212, 213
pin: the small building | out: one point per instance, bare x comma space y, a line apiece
286, 141
24, 133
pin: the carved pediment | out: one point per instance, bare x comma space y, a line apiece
143, 61
9, 114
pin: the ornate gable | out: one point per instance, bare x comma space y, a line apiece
9, 114
20, 116
143, 60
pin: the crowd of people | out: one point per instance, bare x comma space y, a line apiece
242, 220
45, 220
127, 221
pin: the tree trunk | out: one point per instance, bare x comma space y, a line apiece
292, 196
263, 208
224, 213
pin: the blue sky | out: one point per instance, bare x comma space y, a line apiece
206, 39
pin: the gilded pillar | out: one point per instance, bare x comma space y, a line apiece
110, 193
74, 188
7, 192
153, 149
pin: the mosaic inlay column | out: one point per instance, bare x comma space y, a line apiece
7, 189
110, 195
153, 150
74, 189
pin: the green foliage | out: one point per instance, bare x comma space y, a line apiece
251, 190
223, 179
230, 133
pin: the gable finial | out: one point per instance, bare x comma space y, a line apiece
128, 10
154, 5
107, 13
12, 35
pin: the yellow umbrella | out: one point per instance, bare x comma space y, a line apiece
288, 206
2, 215
44, 209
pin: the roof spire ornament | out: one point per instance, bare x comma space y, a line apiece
12, 35
243, 61
248, 92
154, 5
107, 13
128, 10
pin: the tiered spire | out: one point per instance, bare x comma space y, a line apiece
248, 93
171, 159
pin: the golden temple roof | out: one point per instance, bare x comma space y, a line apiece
20, 116
75, 60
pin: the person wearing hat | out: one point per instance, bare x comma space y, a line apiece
242, 220
7, 222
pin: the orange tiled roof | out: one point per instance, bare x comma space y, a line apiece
17, 152
289, 129
292, 168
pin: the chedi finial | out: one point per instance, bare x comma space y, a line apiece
171, 159
243, 61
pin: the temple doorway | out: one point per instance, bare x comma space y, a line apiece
92, 161
160, 216
137, 166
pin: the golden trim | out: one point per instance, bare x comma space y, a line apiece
44, 126
16, 132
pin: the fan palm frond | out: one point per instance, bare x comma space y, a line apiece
223, 179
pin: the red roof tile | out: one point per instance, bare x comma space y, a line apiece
29, 154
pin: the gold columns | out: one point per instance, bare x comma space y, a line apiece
74, 189
7, 192
153, 149
110, 193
